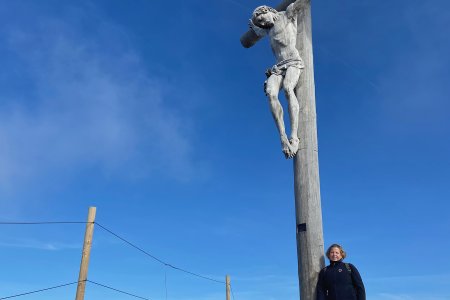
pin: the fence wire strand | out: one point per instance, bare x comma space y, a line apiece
102, 285
42, 290
116, 290
155, 258
232, 293
41, 223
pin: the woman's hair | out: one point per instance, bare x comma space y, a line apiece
343, 253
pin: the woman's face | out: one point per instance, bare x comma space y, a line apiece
335, 254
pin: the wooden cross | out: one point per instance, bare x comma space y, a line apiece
309, 232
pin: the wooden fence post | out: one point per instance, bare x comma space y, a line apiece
228, 287
82, 277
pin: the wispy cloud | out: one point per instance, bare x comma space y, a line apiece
390, 296
265, 286
88, 102
436, 278
415, 84
209, 296
403, 287
394, 296
39, 245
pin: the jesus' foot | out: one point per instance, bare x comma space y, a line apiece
290, 150
286, 147
293, 142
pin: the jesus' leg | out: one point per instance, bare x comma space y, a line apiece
289, 83
272, 88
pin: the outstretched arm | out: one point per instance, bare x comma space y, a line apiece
260, 32
293, 9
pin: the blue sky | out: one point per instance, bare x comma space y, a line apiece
155, 114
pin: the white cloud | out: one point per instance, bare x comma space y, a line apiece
39, 245
394, 297
404, 287
412, 279
89, 103
414, 87
210, 296
391, 296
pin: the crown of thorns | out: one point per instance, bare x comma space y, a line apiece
263, 10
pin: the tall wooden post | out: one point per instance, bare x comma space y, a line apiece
310, 250
88, 235
228, 287
309, 232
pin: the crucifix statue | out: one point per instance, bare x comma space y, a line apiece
288, 28
281, 29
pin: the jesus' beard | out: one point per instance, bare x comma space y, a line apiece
265, 26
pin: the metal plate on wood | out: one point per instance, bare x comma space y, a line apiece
301, 227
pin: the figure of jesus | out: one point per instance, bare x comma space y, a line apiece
281, 29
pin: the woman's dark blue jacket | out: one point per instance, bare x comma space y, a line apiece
337, 282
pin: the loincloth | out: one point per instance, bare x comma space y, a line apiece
281, 67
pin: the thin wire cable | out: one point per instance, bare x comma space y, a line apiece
194, 274
132, 245
40, 223
165, 279
42, 290
232, 293
119, 291
157, 259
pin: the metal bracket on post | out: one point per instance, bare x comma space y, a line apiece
301, 227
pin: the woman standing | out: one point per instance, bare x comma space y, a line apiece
339, 280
